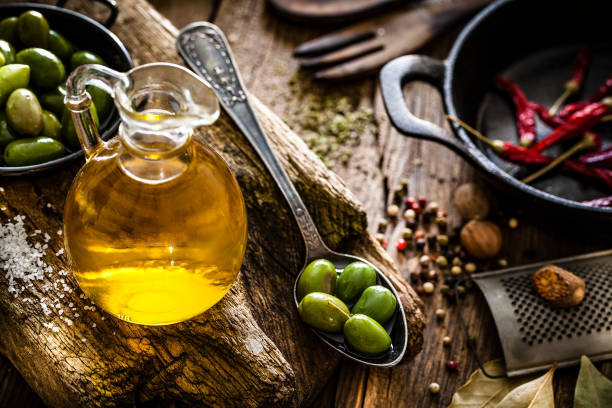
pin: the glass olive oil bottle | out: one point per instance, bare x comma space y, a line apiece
154, 223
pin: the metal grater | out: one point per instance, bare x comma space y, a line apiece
533, 334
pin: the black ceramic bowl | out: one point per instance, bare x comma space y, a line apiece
532, 43
84, 33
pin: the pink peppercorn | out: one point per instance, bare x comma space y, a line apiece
401, 244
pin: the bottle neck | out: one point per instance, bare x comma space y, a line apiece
155, 157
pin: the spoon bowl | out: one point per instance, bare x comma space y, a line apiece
396, 326
206, 51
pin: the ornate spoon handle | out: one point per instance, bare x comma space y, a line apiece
205, 49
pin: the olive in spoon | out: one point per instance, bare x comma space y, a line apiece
206, 51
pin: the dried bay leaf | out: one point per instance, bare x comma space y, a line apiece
593, 390
536, 393
483, 392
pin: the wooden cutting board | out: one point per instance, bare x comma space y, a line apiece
249, 350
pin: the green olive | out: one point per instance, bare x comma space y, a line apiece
103, 101
6, 133
84, 57
323, 311
318, 276
33, 29
47, 70
51, 125
54, 101
8, 29
366, 335
24, 113
12, 77
377, 302
353, 280
7, 51
30, 151
60, 46
69, 135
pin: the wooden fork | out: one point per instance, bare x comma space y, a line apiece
363, 48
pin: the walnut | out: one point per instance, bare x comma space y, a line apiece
558, 286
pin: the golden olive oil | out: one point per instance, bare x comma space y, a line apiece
155, 250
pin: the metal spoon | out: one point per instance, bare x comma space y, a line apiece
205, 49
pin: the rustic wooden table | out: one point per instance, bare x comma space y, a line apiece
262, 44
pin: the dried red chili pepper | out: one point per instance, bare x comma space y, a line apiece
573, 85
576, 125
551, 120
603, 91
600, 202
525, 116
589, 141
528, 157
601, 158
506, 150
571, 108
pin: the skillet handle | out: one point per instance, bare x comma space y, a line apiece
110, 4
410, 68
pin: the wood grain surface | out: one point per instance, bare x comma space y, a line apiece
263, 45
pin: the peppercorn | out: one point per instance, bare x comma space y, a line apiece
416, 207
432, 275
434, 388
409, 215
513, 223
428, 287
442, 223
441, 261
382, 224
409, 201
450, 281
407, 233
446, 341
380, 237
420, 244
444, 289
420, 289
414, 277
432, 207
440, 314
392, 210
502, 262
457, 249
398, 193
452, 365
424, 260
468, 284
470, 267
405, 183
461, 290
457, 261
456, 270
443, 240
419, 234
441, 213
412, 224
401, 244
422, 201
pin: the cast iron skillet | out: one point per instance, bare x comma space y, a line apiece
84, 33
534, 44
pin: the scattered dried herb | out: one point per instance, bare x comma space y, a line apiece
331, 122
